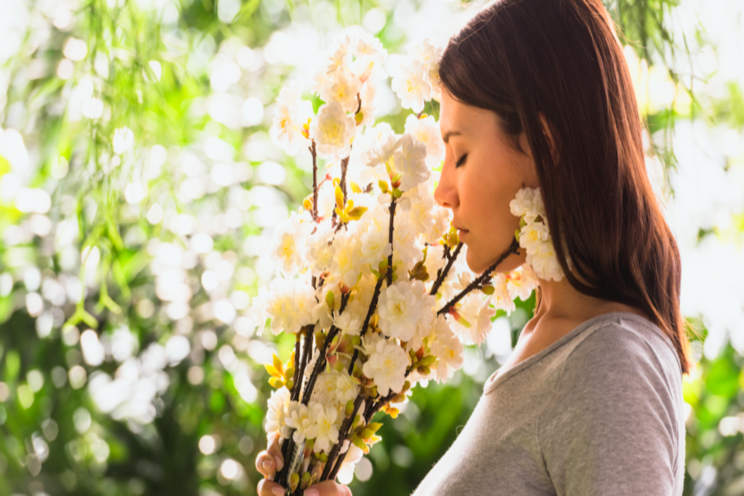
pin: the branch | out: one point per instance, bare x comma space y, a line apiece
514, 248
343, 433
390, 240
378, 286
442, 274
315, 181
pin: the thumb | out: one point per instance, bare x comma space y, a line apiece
328, 488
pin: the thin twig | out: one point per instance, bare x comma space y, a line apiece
442, 274
514, 248
315, 182
329, 469
390, 240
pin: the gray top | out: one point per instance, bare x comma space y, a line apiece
598, 412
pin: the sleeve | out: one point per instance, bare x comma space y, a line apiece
610, 427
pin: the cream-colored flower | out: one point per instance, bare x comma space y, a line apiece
387, 367
427, 131
301, 421
276, 413
474, 322
410, 160
411, 86
447, 348
521, 282
326, 430
501, 298
343, 89
332, 130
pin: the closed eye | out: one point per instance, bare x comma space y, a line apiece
461, 160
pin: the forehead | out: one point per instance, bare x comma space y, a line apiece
457, 117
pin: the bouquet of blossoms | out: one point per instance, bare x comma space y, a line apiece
369, 280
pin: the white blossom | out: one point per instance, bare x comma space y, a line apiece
429, 56
426, 131
521, 282
501, 298
288, 245
400, 307
410, 160
326, 430
288, 303
387, 367
475, 319
343, 88
346, 472
411, 86
291, 115
277, 411
447, 348
301, 421
332, 129
528, 204
347, 259
375, 245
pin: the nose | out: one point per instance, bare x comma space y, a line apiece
445, 193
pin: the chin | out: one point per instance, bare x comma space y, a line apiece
474, 264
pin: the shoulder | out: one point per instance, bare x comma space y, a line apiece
616, 404
622, 349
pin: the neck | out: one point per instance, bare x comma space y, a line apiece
559, 301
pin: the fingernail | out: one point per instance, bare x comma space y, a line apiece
279, 463
279, 491
267, 465
311, 492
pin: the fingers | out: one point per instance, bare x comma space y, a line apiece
265, 464
327, 488
269, 488
275, 449
270, 460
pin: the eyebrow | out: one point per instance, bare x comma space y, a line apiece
451, 133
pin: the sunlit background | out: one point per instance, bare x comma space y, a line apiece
139, 187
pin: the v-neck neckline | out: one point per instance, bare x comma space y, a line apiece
499, 376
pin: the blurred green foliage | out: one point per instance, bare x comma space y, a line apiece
114, 250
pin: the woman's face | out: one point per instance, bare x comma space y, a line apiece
481, 174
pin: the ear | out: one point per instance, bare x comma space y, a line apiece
552, 137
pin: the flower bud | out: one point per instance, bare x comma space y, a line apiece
305, 480
277, 383
294, 481
349, 408
424, 370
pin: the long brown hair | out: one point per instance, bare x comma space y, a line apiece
563, 58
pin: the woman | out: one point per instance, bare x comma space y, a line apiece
537, 94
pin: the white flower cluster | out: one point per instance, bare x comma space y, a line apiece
418, 80
369, 267
534, 235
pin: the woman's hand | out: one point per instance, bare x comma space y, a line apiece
270, 460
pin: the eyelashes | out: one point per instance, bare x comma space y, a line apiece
461, 160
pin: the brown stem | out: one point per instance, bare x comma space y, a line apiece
378, 286
443, 273
514, 248
343, 433
315, 182
390, 240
